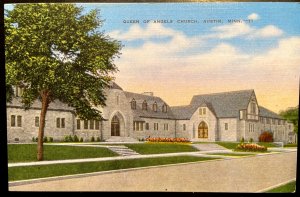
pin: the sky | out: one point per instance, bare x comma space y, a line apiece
243, 46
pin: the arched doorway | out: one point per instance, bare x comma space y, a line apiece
115, 126
202, 130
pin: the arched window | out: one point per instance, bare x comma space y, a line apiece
144, 105
154, 106
164, 108
133, 104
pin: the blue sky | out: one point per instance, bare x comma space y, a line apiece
177, 61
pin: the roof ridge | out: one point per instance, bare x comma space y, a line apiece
234, 91
141, 94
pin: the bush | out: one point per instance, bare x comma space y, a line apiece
92, 139
266, 137
98, 139
68, 138
36, 139
45, 139
251, 148
33, 139
158, 139
81, 139
242, 140
76, 138
251, 140
50, 139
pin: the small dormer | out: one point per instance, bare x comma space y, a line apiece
144, 105
133, 104
165, 108
154, 107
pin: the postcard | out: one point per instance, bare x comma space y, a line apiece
164, 97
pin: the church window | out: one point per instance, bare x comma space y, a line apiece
78, 124
253, 108
226, 126
204, 111
184, 127
63, 123
19, 121
155, 106
91, 124
166, 127
57, 122
97, 124
164, 108
12, 120
133, 104
147, 126
85, 124
144, 105
155, 126
200, 111
37, 121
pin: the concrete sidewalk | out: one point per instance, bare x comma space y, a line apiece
248, 174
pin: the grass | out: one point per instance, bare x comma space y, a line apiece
267, 144
158, 148
287, 188
31, 172
233, 154
291, 145
28, 152
228, 145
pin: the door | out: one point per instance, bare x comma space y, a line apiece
115, 126
202, 130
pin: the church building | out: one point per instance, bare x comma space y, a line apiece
227, 116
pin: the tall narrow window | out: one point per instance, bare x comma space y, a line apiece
166, 127
57, 122
19, 121
164, 108
155, 106
144, 105
133, 125
78, 124
226, 126
37, 121
97, 124
133, 104
200, 111
184, 127
147, 126
63, 123
204, 111
137, 126
85, 124
91, 124
253, 108
141, 126
117, 100
241, 115
12, 120
155, 126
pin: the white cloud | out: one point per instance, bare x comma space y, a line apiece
253, 16
267, 32
231, 30
153, 30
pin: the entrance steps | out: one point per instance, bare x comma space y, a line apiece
122, 150
208, 146
121, 139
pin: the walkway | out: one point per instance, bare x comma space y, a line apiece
208, 147
249, 174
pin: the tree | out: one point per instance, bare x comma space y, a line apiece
53, 51
291, 114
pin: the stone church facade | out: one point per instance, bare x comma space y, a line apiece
228, 116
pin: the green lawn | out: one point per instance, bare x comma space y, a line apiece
31, 172
267, 144
233, 154
228, 145
157, 148
291, 145
287, 188
27, 152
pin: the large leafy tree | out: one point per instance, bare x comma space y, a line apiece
54, 51
291, 114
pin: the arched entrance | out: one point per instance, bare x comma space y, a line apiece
115, 126
202, 130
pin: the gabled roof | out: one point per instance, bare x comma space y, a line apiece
115, 86
264, 112
225, 104
149, 113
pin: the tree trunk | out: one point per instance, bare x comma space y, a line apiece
45, 104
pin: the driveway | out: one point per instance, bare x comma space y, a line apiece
250, 174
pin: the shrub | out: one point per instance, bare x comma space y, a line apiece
251, 147
158, 139
76, 138
68, 138
36, 139
266, 137
81, 139
45, 139
251, 140
50, 139
242, 140
33, 139
98, 139
92, 139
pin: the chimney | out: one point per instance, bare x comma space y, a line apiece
148, 93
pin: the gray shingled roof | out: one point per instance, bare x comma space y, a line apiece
225, 104
115, 86
264, 112
184, 112
149, 113
54, 105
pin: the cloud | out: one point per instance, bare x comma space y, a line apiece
267, 32
253, 16
231, 30
152, 30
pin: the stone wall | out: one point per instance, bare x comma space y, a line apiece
230, 134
